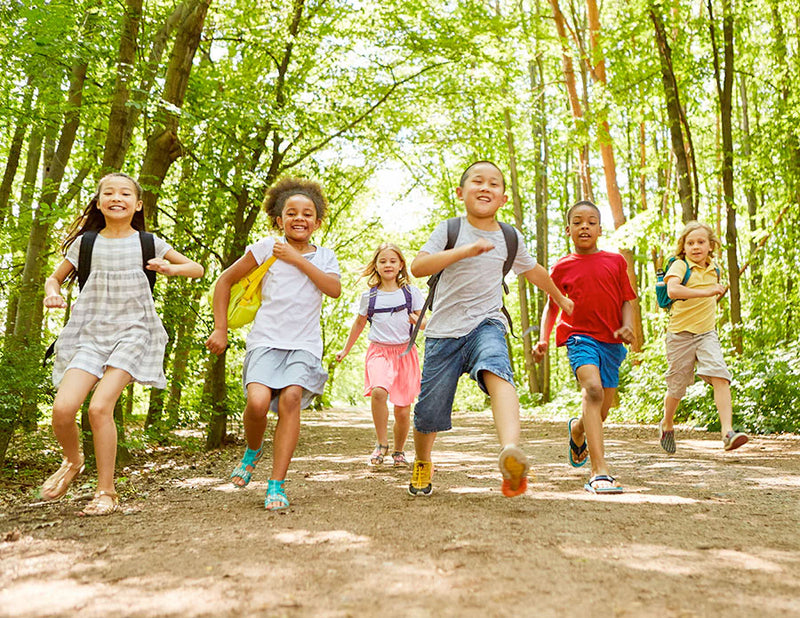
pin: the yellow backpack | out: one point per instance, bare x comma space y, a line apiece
245, 296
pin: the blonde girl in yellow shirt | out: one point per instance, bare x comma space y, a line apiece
692, 339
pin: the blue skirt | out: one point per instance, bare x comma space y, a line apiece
278, 369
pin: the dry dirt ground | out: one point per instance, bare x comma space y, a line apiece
701, 533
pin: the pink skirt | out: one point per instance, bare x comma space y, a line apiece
384, 367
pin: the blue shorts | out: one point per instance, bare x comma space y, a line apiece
607, 357
446, 358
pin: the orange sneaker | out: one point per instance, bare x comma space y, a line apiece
514, 468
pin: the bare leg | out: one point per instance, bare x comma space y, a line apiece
670, 407
380, 414
423, 445
593, 398
75, 386
402, 421
287, 430
722, 397
505, 408
104, 430
255, 423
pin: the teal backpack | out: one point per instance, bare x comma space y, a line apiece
664, 301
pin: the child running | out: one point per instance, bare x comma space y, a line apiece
282, 366
113, 335
598, 283
466, 332
392, 307
692, 336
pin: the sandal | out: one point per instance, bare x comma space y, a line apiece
58, 483
576, 453
378, 454
275, 493
98, 506
399, 459
603, 484
249, 459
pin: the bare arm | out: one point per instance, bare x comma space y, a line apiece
538, 276
355, 331
327, 283
218, 340
427, 264
549, 315
52, 286
625, 332
677, 291
174, 263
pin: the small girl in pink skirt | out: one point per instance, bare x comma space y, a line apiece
392, 306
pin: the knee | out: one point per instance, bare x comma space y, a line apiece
290, 401
256, 406
100, 413
593, 392
63, 416
379, 395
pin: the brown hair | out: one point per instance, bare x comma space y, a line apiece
371, 270
693, 226
276, 197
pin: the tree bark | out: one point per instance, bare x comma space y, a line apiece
14, 152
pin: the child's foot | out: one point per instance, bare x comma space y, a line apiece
275, 499
666, 438
603, 484
103, 503
378, 454
242, 474
399, 459
734, 439
421, 475
58, 483
577, 454
514, 468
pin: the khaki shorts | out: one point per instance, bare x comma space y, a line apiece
686, 349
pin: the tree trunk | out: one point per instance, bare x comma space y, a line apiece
14, 153
685, 191
725, 93
215, 396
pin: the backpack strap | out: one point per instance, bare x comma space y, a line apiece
453, 227
85, 257
510, 235
373, 295
148, 244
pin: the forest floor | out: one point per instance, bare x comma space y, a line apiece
700, 533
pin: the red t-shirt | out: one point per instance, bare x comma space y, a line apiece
598, 284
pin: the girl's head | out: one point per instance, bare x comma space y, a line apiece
697, 241
296, 206
118, 198
387, 263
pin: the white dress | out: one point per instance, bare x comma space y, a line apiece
114, 321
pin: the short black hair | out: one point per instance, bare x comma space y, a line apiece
588, 203
473, 164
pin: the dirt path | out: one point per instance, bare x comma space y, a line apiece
702, 533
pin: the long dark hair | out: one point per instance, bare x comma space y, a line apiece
92, 220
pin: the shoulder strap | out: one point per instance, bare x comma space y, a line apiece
688, 272
373, 295
453, 227
407, 294
85, 257
148, 253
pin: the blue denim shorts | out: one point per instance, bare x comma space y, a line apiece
607, 357
482, 349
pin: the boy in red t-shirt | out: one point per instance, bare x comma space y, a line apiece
597, 281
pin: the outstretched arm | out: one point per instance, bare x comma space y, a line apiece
549, 316
52, 287
174, 263
677, 291
355, 331
427, 264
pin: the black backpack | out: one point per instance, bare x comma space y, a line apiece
85, 265
453, 227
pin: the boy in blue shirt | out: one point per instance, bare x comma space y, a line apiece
466, 331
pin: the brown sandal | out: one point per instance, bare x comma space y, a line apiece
58, 483
378, 454
98, 506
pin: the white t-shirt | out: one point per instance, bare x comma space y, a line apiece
470, 290
288, 318
391, 328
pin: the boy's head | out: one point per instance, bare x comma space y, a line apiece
696, 233
482, 189
583, 226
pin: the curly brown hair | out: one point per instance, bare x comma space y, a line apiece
276, 197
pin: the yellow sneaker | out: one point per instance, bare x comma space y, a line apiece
421, 478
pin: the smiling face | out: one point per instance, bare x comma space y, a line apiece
298, 219
388, 265
584, 228
118, 199
697, 246
483, 191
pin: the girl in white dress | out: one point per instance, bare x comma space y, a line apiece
113, 336
392, 306
283, 364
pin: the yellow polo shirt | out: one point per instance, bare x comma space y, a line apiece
695, 315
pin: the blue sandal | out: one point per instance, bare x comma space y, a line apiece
250, 458
276, 493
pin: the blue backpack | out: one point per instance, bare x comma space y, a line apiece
664, 301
